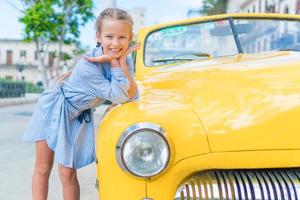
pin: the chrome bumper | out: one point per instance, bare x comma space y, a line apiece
277, 184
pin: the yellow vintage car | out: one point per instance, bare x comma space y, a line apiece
218, 115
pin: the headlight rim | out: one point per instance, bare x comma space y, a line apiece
134, 129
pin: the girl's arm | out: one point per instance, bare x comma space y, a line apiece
132, 85
96, 84
122, 61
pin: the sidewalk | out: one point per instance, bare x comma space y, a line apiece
29, 98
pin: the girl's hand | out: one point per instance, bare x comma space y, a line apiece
100, 59
104, 59
133, 48
122, 58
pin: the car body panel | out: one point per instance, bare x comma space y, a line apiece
189, 130
265, 104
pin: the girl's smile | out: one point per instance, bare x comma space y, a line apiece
114, 37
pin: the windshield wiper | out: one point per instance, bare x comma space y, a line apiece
176, 59
289, 49
194, 54
172, 60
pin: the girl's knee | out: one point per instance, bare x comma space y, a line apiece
67, 174
43, 169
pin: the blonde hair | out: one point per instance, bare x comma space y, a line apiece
113, 13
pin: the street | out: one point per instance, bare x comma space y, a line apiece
17, 160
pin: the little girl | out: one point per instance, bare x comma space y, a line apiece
62, 125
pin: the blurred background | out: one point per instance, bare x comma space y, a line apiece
41, 39
68, 30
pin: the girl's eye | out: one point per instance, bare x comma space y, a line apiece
109, 36
122, 37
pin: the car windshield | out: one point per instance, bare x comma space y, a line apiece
268, 35
217, 39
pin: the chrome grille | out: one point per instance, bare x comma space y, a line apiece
277, 184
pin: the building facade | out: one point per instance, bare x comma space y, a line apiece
18, 60
268, 36
264, 6
138, 16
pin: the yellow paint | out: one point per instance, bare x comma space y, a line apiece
237, 101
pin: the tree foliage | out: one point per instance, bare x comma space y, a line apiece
40, 22
71, 14
57, 21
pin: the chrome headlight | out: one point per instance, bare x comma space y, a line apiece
143, 150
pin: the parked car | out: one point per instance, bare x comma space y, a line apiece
218, 115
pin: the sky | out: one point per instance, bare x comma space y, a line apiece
156, 11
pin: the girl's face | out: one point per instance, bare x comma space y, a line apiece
114, 37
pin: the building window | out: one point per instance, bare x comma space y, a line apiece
298, 7
259, 6
253, 9
51, 58
286, 9
35, 55
270, 8
23, 54
272, 41
9, 57
265, 44
266, 6
273, 8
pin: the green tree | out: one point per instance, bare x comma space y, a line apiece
57, 21
212, 7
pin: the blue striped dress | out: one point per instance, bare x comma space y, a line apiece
63, 115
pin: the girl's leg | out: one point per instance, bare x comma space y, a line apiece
68, 177
43, 165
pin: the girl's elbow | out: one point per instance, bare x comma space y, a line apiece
132, 95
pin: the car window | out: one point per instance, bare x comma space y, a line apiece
215, 39
269, 35
189, 42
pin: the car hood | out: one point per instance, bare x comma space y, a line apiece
245, 102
